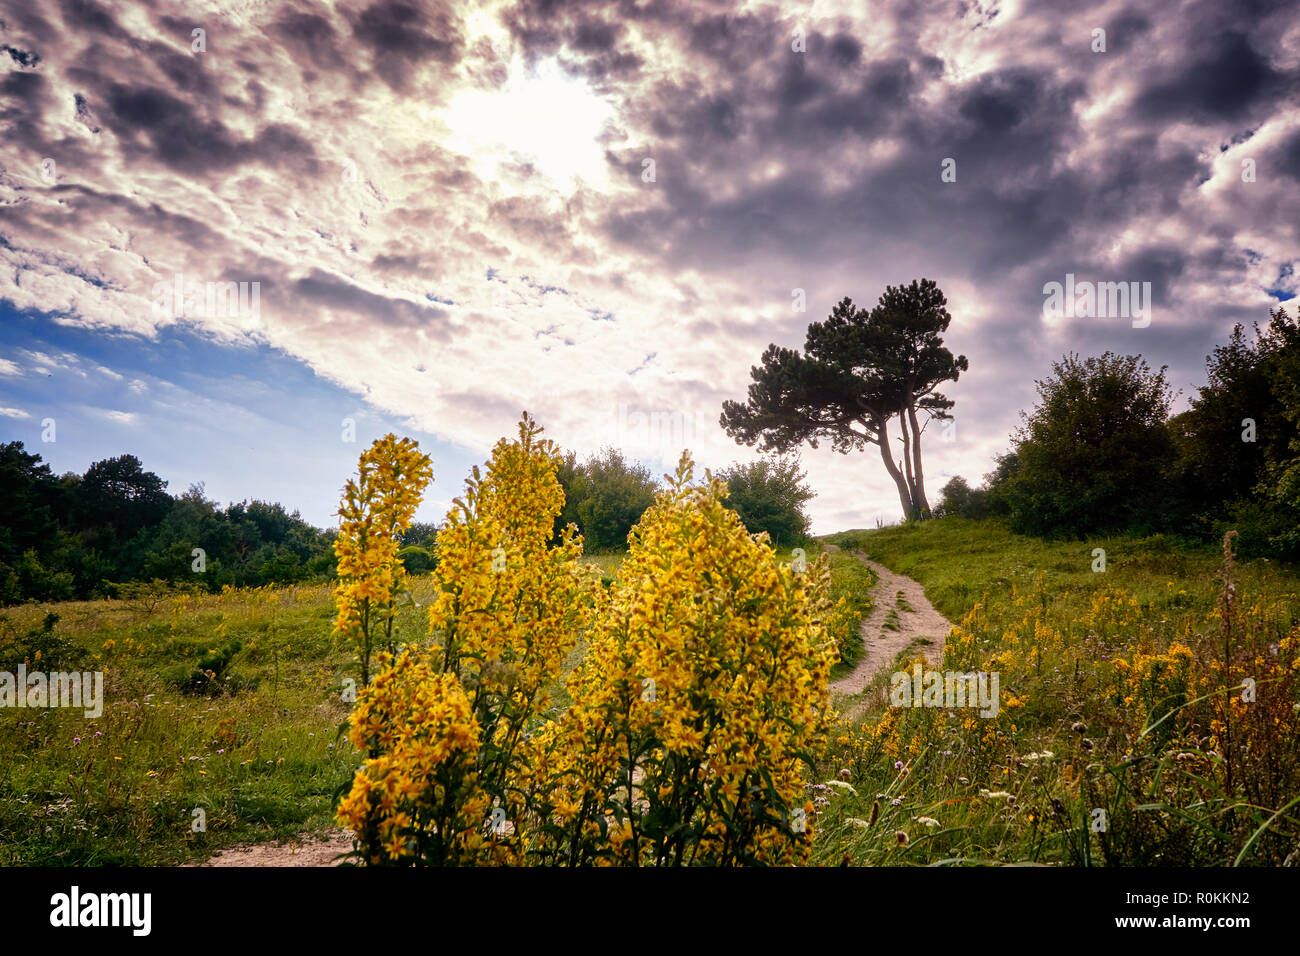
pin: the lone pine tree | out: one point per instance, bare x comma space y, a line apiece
859, 369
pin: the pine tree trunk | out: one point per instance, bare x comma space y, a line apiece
918, 493
907, 457
904, 492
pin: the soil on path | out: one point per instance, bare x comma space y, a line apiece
305, 851
914, 623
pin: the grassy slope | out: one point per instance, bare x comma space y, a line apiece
961, 562
932, 786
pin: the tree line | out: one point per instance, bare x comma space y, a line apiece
79, 536
1100, 452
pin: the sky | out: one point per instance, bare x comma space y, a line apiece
437, 215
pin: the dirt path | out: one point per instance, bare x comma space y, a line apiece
914, 621
308, 851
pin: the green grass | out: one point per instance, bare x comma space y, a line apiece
1097, 715
262, 763
851, 582
265, 762
608, 563
961, 562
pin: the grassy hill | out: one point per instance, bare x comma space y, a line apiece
1125, 735
962, 562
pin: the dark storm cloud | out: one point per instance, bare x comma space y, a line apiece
84, 115
28, 94
1000, 102
589, 37
180, 29
595, 37
1226, 78
335, 293
153, 122
188, 74
1126, 30
26, 21
87, 16
310, 37
1010, 131
1287, 156
22, 57
845, 50
1003, 129
403, 38
25, 98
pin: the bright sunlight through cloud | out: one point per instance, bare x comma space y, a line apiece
540, 116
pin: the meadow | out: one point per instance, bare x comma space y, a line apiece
1149, 710
258, 751
1108, 704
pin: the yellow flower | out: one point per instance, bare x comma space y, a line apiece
706, 609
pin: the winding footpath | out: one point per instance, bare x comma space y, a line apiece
919, 626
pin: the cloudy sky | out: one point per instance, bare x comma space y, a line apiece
599, 212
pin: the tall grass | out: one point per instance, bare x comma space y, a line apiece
261, 762
1124, 735
851, 584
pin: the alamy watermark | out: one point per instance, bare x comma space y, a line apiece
183, 298
660, 432
1098, 300
922, 688
57, 689
130, 910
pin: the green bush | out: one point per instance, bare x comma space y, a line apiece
30, 580
769, 495
39, 644
604, 496
209, 676
1093, 454
959, 499
418, 552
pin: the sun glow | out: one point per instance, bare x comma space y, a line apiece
542, 116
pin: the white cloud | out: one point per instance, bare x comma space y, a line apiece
113, 415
